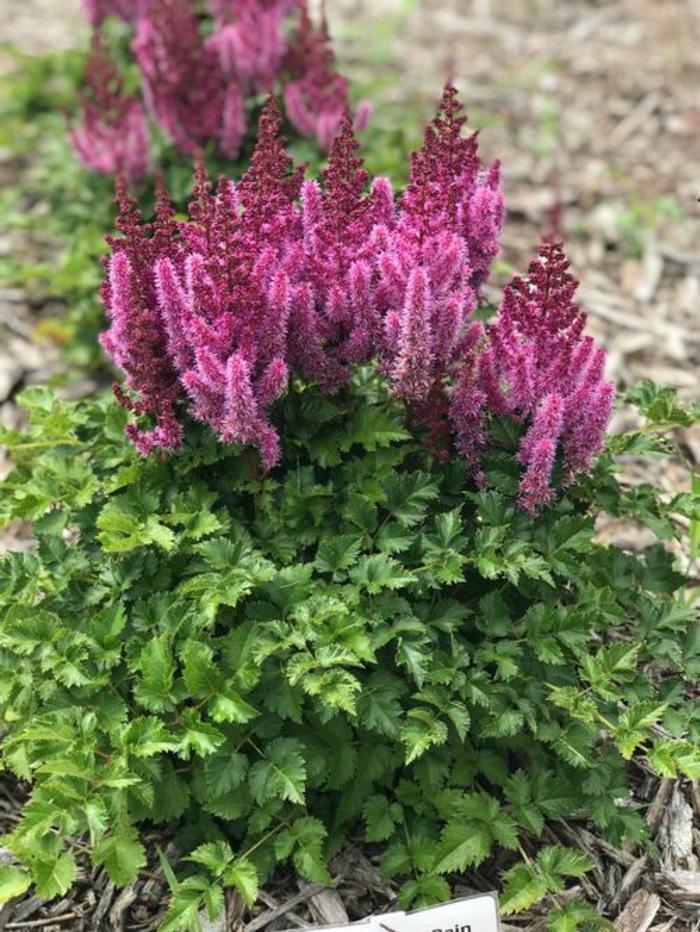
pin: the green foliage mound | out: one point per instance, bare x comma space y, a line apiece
361, 645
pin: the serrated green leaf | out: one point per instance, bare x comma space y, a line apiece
282, 774
56, 876
13, 882
381, 817
523, 887
121, 854
243, 876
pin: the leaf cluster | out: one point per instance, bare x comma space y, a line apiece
361, 645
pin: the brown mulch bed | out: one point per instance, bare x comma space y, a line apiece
654, 890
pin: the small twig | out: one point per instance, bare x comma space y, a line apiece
37, 923
267, 917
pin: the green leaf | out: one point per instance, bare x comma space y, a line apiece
425, 890
224, 771
243, 876
13, 882
304, 841
228, 706
282, 774
408, 496
694, 530
372, 428
338, 553
523, 887
214, 855
575, 915
199, 737
185, 906
379, 571
121, 528
462, 845
55, 877
381, 818
421, 731
157, 668
147, 736
557, 861
121, 854
200, 672
635, 724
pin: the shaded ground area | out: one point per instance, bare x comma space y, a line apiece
594, 109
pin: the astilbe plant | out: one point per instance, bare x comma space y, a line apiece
183, 82
351, 587
272, 277
137, 334
316, 97
198, 84
250, 39
112, 136
537, 367
360, 648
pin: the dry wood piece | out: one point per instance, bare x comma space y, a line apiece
102, 907
676, 831
267, 917
290, 918
630, 880
639, 913
121, 904
39, 923
683, 885
327, 908
656, 809
216, 925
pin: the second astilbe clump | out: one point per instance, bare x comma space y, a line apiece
275, 277
112, 136
316, 97
184, 86
200, 74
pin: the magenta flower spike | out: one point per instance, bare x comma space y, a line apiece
112, 136
535, 489
316, 99
539, 368
250, 39
584, 439
546, 425
184, 84
412, 376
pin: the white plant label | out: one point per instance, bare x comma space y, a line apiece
469, 914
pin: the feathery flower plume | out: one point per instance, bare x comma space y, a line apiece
316, 99
539, 368
339, 220
201, 310
250, 39
197, 76
412, 376
112, 136
136, 339
447, 228
535, 488
184, 84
